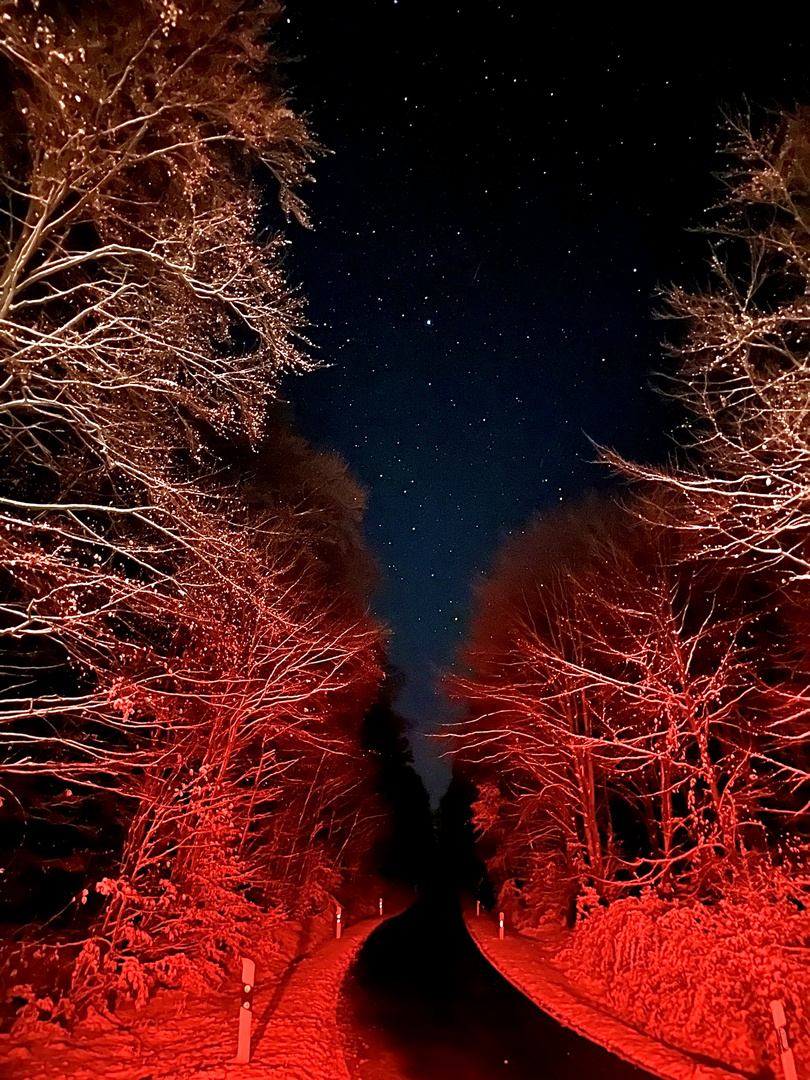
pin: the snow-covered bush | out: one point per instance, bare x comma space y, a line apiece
701, 976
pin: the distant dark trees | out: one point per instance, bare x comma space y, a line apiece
636, 681
185, 651
404, 850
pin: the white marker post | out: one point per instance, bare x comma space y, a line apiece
338, 926
780, 1023
477, 907
380, 905
245, 1011
500, 925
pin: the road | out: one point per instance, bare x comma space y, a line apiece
422, 1003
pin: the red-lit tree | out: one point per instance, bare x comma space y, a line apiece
637, 688
744, 361
617, 719
743, 371
670, 673
186, 655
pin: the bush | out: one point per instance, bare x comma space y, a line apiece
701, 977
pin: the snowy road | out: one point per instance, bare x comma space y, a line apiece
420, 1003
423, 1004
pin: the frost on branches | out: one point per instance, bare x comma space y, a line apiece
185, 651
636, 685
620, 724
743, 364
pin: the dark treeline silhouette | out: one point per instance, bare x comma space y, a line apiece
461, 867
405, 849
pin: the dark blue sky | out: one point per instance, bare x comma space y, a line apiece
496, 214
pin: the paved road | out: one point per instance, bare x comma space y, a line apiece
423, 1004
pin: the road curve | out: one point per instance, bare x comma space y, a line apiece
422, 1003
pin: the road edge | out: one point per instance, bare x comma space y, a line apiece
551, 992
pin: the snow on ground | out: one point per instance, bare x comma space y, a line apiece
527, 965
186, 1037
302, 1040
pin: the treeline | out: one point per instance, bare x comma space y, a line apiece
636, 681
186, 654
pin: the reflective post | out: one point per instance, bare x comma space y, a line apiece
380, 905
338, 916
477, 907
500, 925
780, 1023
245, 1010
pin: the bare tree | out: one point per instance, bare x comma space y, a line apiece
178, 643
744, 361
742, 482
615, 701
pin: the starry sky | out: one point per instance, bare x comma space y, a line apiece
499, 206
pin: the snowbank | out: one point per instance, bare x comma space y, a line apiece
185, 1037
527, 965
302, 1040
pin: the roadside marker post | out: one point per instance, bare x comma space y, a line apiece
380, 905
500, 925
780, 1023
338, 917
477, 907
245, 1011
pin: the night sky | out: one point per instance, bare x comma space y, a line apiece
498, 209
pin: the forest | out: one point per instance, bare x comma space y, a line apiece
197, 744
635, 685
200, 742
